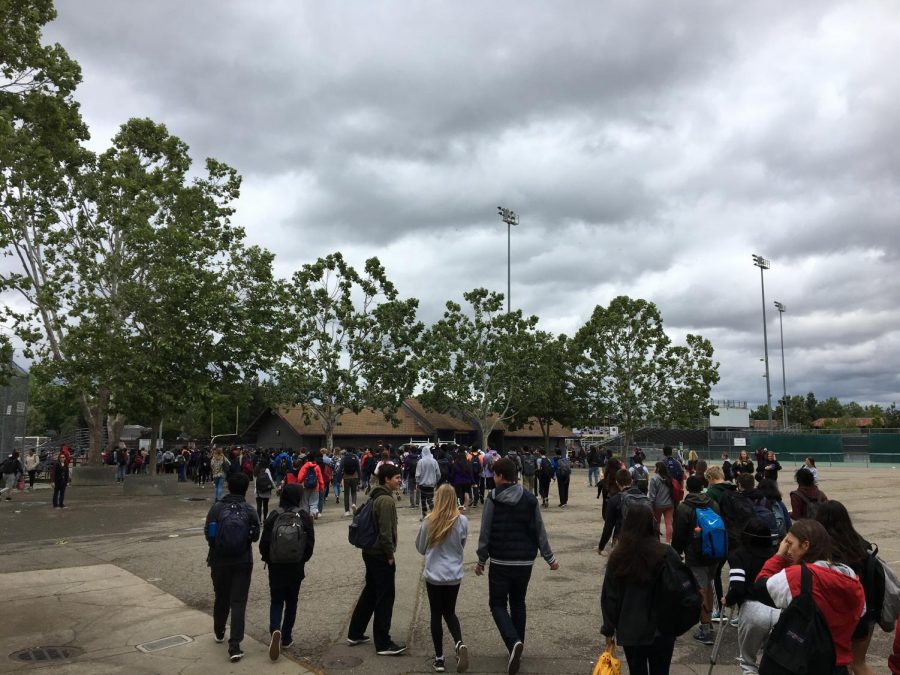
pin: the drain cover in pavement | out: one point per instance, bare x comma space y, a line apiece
195, 499
41, 654
341, 662
164, 643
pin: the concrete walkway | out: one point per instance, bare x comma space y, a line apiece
103, 614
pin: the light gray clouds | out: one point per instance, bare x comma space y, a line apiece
648, 147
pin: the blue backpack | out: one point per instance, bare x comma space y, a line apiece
311, 480
713, 536
674, 469
232, 530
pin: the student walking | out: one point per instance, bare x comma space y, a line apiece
442, 540
351, 468
31, 465
377, 596
59, 478
231, 528
218, 468
263, 488
562, 469
545, 475
428, 473
310, 478
461, 477
662, 493
627, 600
12, 469
286, 545
512, 533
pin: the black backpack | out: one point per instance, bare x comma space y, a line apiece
563, 467
641, 478
288, 543
232, 530
800, 643
529, 466
264, 483
350, 465
546, 468
363, 532
677, 598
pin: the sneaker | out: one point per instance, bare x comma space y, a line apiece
337, 500
715, 616
346, 514
220, 637
462, 657
438, 664
287, 645
515, 659
275, 645
236, 655
735, 621
393, 649
362, 639
353, 508
704, 635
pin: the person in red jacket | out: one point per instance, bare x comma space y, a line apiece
836, 590
310, 501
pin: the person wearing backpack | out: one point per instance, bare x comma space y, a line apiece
442, 540
263, 488
231, 528
410, 462
699, 534
851, 549
310, 478
529, 470
477, 479
337, 472
461, 477
545, 476
754, 619
628, 600
836, 594
640, 476
377, 596
286, 545
351, 469
594, 462
662, 496
607, 487
772, 496
562, 469
807, 498
737, 509
218, 468
673, 466
487, 471
628, 497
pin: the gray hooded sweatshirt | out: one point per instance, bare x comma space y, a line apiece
444, 562
428, 473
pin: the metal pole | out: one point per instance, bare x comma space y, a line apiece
508, 267
763, 265
784, 400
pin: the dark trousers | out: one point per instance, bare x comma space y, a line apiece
507, 586
283, 607
231, 584
262, 508
350, 486
376, 599
461, 492
442, 602
426, 498
562, 484
482, 488
544, 487
31, 475
59, 493
652, 659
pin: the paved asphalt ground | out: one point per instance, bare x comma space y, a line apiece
152, 547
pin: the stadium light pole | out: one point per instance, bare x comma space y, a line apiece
784, 401
509, 217
763, 265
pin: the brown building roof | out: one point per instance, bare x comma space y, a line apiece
437, 420
367, 423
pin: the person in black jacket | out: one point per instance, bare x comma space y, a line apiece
627, 602
285, 578
231, 572
612, 526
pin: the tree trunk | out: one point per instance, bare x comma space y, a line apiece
114, 427
151, 456
94, 411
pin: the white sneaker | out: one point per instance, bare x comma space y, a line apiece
346, 513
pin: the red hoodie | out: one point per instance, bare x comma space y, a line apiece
836, 592
301, 475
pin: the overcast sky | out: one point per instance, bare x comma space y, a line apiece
648, 147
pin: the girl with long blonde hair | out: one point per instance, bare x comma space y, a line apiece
442, 540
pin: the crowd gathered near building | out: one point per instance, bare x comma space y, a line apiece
802, 587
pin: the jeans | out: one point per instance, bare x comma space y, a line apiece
337, 490
283, 608
754, 624
427, 498
652, 659
217, 482
376, 599
413, 495
442, 602
508, 584
59, 493
231, 584
350, 487
593, 475
322, 496
181, 477
562, 484
121, 470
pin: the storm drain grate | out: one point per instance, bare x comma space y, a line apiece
196, 499
164, 643
41, 654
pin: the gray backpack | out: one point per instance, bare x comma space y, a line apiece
630, 500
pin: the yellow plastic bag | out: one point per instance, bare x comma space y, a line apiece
607, 663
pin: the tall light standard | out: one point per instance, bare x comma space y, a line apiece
509, 217
763, 265
784, 401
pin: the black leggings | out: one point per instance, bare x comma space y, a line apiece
442, 601
461, 492
262, 507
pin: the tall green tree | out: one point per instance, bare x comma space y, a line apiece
544, 392
349, 342
629, 369
472, 361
